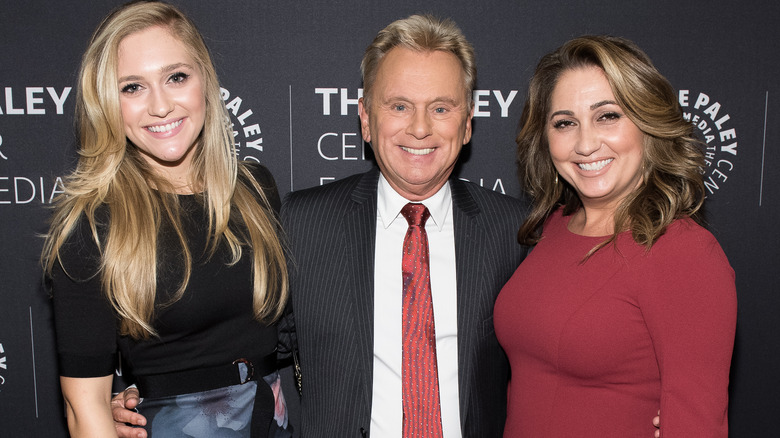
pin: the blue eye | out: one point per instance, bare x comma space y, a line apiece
399, 107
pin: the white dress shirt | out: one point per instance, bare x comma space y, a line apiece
391, 226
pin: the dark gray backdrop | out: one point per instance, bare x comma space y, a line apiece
290, 74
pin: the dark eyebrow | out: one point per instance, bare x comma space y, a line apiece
592, 107
561, 112
602, 103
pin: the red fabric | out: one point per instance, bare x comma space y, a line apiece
596, 348
422, 411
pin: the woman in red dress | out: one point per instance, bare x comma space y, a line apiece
626, 304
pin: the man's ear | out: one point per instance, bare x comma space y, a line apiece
467, 133
365, 128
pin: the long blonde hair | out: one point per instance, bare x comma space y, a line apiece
672, 159
111, 173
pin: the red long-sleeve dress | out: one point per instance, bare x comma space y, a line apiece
596, 348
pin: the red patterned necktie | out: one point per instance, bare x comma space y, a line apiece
422, 411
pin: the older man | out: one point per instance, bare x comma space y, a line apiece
396, 271
352, 307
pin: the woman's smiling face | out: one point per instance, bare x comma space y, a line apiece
593, 144
162, 100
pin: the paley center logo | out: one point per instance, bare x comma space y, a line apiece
713, 124
21, 102
3, 366
246, 133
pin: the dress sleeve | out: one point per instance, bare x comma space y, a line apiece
85, 323
689, 305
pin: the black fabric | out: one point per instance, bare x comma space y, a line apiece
205, 379
212, 324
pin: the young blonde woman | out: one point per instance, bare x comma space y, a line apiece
164, 247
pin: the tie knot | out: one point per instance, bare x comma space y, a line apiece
415, 214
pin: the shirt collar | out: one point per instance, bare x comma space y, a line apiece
390, 203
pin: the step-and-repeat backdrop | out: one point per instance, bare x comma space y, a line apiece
290, 77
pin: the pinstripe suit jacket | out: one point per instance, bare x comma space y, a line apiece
331, 231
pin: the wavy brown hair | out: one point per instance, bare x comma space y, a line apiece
111, 174
672, 185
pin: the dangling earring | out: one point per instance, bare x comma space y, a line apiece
556, 178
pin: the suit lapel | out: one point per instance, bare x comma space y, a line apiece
360, 235
469, 248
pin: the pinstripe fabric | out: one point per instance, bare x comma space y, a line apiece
331, 233
486, 254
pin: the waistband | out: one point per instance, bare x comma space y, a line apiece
238, 372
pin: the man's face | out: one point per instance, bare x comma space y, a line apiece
418, 120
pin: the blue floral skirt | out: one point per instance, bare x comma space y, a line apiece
254, 409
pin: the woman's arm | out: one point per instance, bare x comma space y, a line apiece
690, 311
85, 326
88, 406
